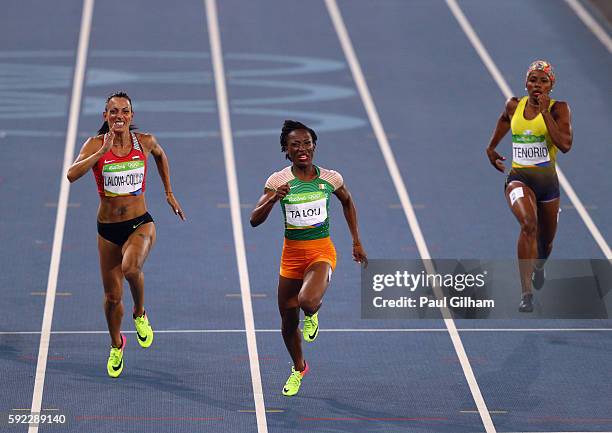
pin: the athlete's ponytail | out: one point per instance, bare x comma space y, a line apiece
119, 94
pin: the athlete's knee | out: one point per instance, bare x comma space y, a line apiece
112, 298
529, 226
131, 271
289, 321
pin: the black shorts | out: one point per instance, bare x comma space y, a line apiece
118, 233
543, 182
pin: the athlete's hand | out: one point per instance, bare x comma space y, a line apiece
496, 160
543, 102
359, 255
108, 142
281, 192
174, 204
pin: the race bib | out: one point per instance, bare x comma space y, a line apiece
123, 178
529, 150
305, 210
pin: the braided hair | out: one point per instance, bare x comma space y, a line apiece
118, 94
290, 126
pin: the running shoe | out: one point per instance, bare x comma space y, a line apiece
538, 278
114, 366
526, 305
144, 332
292, 386
311, 327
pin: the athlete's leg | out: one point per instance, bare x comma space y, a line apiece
135, 251
316, 281
548, 213
288, 290
523, 205
112, 280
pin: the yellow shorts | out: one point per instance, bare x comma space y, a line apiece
298, 256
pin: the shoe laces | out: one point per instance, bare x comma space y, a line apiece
140, 321
295, 378
115, 355
308, 322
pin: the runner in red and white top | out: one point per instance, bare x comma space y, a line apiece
117, 157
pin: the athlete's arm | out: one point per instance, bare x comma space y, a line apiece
266, 203
150, 144
558, 122
90, 153
350, 214
501, 129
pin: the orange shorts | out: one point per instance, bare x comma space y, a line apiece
298, 256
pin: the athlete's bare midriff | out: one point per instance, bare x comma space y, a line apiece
117, 209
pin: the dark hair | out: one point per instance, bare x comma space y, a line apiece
290, 126
118, 94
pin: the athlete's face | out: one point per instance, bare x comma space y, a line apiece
119, 115
538, 83
300, 147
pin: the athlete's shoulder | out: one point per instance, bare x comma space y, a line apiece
331, 176
559, 105
279, 178
92, 144
560, 110
511, 104
145, 138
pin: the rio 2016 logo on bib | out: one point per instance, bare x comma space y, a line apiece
123, 178
304, 210
530, 150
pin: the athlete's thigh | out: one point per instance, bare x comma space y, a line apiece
316, 280
288, 291
548, 213
110, 266
136, 249
522, 201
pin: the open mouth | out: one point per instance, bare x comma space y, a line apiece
119, 124
302, 158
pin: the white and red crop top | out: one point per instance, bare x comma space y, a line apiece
121, 175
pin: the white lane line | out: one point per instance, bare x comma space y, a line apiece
347, 330
234, 196
60, 218
588, 20
400, 187
501, 82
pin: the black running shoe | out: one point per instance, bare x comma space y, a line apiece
526, 305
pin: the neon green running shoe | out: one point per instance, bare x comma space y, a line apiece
311, 327
144, 332
114, 366
292, 386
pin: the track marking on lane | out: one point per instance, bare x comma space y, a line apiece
234, 196
503, 85
400, 187
591, 23
62, 207
347, 330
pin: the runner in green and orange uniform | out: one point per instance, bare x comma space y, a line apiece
309, 256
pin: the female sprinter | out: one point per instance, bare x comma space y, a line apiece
308, 257
126, 232
540, 126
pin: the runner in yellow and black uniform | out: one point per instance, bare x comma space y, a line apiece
540, 126
309, 256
